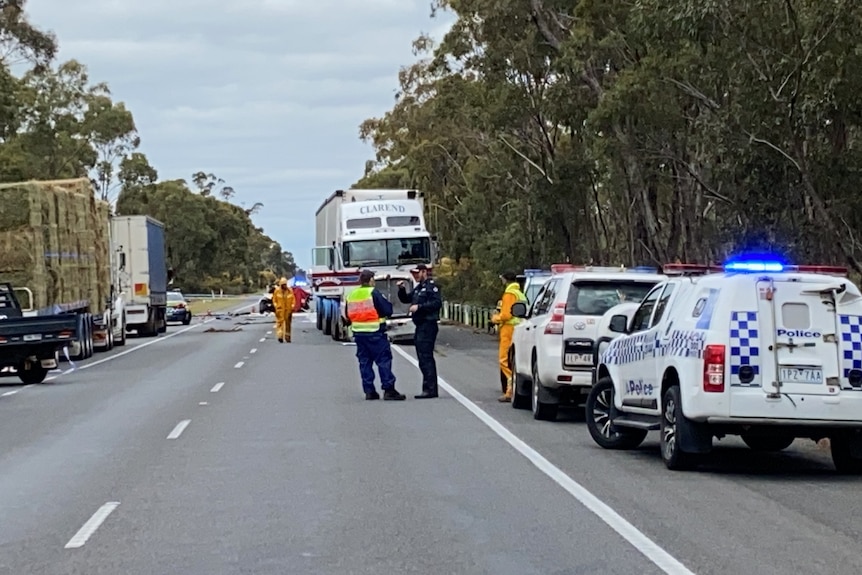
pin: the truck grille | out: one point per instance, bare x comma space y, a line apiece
389, 289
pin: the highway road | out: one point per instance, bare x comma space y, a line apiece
227, 453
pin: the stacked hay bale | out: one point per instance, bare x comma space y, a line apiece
54, 240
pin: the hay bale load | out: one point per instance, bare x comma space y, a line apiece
54, 241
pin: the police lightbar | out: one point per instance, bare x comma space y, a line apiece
778, 267
562, 268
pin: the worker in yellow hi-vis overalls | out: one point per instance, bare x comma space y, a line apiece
507, 323
283, 301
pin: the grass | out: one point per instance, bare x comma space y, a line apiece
200, 306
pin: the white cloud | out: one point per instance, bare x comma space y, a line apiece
267, 94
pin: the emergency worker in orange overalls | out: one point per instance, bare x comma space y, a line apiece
507, 322
283, 301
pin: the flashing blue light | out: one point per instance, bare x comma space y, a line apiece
754, 266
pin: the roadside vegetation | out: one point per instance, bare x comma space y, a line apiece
630, 133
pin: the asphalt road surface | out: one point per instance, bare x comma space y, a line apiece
224, 452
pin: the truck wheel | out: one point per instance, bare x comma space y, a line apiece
36, 374
336, 329
327, 325
600, 424
319, 319
88, 321
672, 419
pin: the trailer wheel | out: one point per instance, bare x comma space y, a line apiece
35, 374
88, 323
122, 341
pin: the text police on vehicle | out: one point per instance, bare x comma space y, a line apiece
761, 349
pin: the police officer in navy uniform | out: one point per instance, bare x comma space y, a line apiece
426, 301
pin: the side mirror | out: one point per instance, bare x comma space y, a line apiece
122, 261
619, 324
519, 309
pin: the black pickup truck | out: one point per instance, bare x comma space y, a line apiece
30, 344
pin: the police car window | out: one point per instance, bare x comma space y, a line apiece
545, 299
596, 297
662, 303
642, 316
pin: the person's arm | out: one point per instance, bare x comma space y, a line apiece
509, 300
403, 296
381, 304
435, 298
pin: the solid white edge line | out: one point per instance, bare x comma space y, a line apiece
178, 430
86, 531
646, 546
217, 387
239, 364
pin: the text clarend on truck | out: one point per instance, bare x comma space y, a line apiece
760, 349
380, 230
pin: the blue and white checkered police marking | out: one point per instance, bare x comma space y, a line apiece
851, 342
744, 347
647, 344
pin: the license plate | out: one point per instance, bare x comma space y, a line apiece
801, 375
32, 337
579, 359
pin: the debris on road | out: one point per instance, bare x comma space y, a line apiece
221, 330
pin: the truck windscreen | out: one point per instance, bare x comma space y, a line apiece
392, 252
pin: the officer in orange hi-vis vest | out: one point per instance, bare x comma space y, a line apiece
367, 311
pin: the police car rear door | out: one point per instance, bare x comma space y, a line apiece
798, 343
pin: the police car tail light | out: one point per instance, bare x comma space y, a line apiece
558, 318
713, 369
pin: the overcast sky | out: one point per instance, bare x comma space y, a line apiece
266, 94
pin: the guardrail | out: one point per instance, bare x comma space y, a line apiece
475, 316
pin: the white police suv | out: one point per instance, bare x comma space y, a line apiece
760, 349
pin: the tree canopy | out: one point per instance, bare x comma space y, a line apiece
632, 133
56, 123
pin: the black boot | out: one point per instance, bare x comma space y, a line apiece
393, 395
426, 395
372, 395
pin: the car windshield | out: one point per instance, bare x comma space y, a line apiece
174, 296
596, 297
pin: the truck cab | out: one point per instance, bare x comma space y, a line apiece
761, 349
380, 230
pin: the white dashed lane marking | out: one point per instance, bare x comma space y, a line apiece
178, 430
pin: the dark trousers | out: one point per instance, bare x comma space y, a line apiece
374, 348
424, 340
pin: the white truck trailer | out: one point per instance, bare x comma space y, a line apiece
380, 230
140, 252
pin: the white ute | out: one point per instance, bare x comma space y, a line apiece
759, 349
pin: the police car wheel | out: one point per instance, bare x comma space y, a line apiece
599, 417
672, 419
843, 447
768, 442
